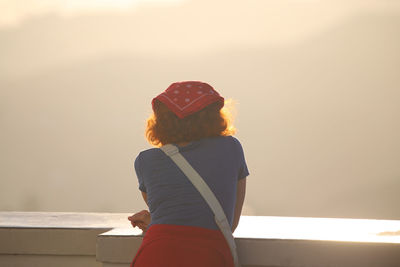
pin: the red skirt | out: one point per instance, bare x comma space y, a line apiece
181, 246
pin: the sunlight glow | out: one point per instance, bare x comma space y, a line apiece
331, 229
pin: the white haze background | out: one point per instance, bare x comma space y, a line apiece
317, 87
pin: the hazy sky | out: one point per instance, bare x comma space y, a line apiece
14, 12
179, 28
316, 83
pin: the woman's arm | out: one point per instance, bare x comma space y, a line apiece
144, 195
141, 219
240, 194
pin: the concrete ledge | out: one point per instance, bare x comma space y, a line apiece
48, 260
55, 233
300, 253
49, 241
63, 220
54, 238
78, 239
118, 245
311, 242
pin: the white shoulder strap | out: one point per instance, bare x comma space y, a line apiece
220, 218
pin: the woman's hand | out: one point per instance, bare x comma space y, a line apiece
140, 219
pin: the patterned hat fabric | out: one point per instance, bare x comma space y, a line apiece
186, 98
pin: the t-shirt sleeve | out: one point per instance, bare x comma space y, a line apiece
243, 170
142, 187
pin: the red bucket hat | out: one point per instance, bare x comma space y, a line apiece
186, 98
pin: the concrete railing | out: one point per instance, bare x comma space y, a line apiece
53, 239
107, 239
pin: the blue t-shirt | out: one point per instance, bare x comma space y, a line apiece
171, 197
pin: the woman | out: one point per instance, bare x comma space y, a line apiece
180, 229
